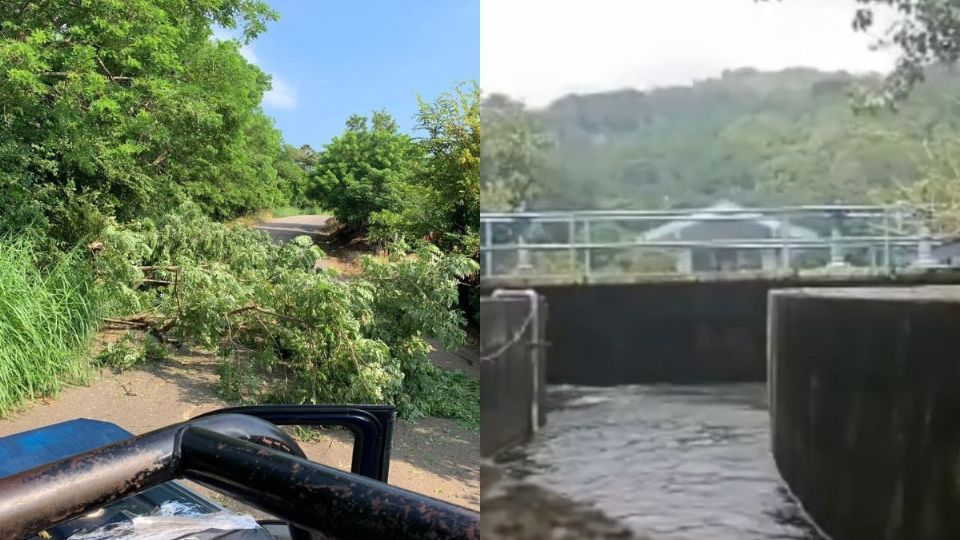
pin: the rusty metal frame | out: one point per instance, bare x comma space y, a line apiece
371, 426
241, 456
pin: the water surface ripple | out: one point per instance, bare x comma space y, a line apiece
670, 462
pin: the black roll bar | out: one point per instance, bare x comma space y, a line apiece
317, 497
371, 426
240, 456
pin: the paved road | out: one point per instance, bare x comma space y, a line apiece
288, 228
342, 258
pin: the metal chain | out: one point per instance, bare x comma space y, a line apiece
511, 342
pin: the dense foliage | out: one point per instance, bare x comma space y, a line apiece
389, 187
757, 138
120, 108
367, 176
131, 350
287, 332
513, 149
452, 124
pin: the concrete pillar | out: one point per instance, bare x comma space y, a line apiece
487, 240
685, 261
523, 255
512, 369
925, 258
769, 261
864, 390
836, 248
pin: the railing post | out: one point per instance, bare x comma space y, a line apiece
523, 255
925, 257
586, 248
487, 241
887, 256
572, 236
836, 250
785, 262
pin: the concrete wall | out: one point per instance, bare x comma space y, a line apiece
865, 409
512, 382
680, 331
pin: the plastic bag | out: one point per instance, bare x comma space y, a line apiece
179, 521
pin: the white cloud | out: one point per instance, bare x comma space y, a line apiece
221, 34
539, 50
246, 51
281, 96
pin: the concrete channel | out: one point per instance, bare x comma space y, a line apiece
863, 387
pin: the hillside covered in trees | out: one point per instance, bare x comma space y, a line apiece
787, 137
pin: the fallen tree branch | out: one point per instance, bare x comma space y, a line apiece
150, 327
105, 70
160, 159
265, 311
156, 281
126, 322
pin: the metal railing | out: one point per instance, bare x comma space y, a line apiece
878, 238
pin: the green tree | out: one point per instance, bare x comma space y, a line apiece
305, 157
512, 150
116, 108
368, 170
452, 145
267, 310
452, 171
294, 166
926, 36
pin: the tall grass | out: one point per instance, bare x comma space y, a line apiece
49, 313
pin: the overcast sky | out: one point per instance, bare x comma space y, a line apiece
539, 50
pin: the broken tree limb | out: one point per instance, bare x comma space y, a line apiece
126, 322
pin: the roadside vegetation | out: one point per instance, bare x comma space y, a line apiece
51, 311
132, 148
286, 332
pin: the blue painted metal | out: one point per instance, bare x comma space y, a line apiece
29, 449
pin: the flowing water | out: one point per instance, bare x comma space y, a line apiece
667, 462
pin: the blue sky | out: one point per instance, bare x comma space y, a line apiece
333, 58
